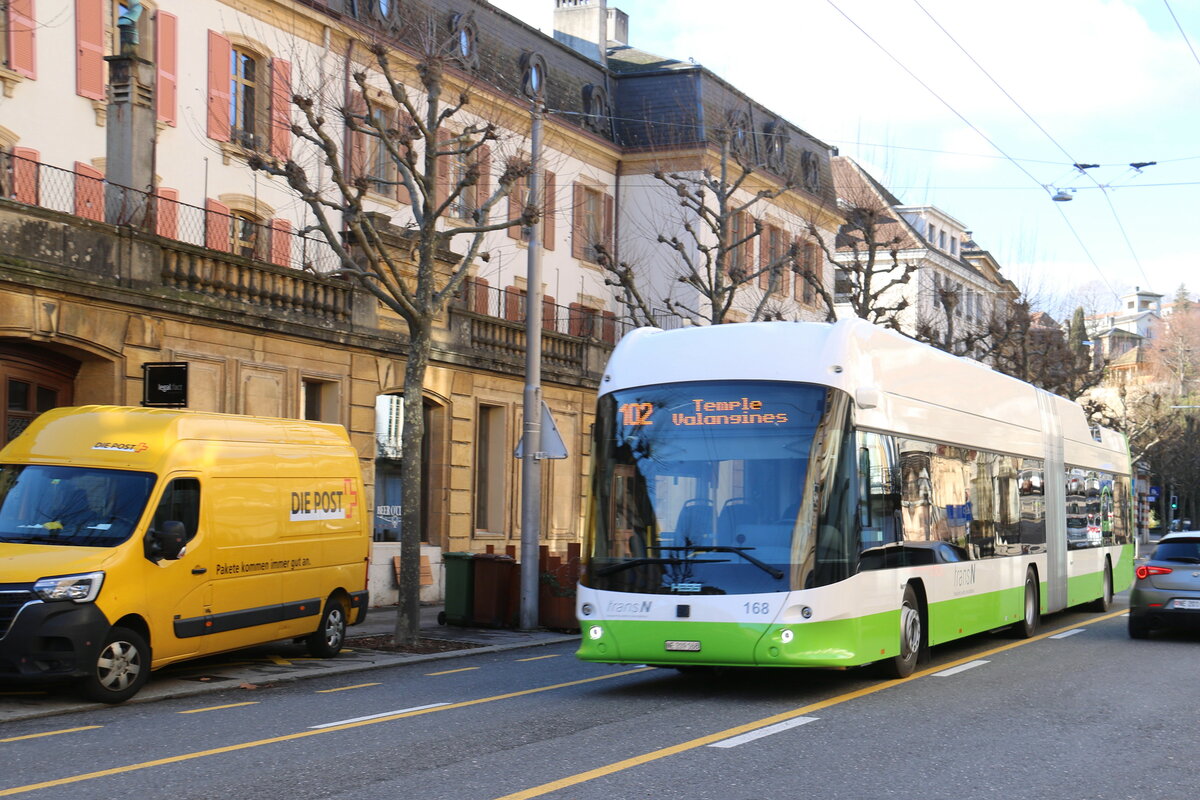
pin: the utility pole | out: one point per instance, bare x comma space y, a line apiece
531, 453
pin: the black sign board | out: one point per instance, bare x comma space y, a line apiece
164, 384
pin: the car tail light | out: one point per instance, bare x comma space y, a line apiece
1144, 571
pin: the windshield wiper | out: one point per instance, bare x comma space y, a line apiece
741, 551
641, 562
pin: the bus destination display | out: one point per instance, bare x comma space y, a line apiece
703, 412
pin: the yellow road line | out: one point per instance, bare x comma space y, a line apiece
219, 708
539, 658
51, 733
232, 748
451, 671
655, 755
346, 688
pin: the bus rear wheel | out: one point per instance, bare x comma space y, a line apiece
1104, 601
1030, 617
911, 636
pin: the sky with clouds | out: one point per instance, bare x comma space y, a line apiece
981, 109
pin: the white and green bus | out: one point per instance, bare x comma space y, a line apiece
812, 495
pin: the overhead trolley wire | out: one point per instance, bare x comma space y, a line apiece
1082, 168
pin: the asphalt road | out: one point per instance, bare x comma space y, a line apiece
1080, 712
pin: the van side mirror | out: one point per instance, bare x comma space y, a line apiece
168, 542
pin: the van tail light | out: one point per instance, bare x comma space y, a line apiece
1144, 571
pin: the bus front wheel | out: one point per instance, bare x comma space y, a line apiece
911, 636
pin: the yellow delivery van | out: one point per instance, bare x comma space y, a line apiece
133, 538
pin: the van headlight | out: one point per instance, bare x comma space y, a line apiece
78, 588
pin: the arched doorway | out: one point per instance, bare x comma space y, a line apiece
32, 380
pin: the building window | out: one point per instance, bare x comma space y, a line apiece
489, 469
776, 137
464, 35
533, 75
942, 239
740, 144
810, 171
954, 245
595, 108
466, 202
593, 222
243, 97
319, 400
381, 169
245, 237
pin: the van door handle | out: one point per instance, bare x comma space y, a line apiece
199, 570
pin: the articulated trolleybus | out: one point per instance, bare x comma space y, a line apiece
813, 495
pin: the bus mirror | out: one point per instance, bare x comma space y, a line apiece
866, 396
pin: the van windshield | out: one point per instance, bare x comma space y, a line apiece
72, 506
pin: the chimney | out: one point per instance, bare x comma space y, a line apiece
586, 26
130, 127
618, 27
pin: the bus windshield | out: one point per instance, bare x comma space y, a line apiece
698, 486
72, 506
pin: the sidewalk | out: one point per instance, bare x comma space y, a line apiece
283, 662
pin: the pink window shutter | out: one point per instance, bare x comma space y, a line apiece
89, 192
168, 65
25, 175
216, 226
89, 49
281, 242
166, 212
281, 109
22, 38
219, 53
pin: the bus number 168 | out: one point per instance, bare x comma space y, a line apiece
757, 608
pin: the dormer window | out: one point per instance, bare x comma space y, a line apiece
739, 134
465, 36
533, 75
776, 137
595, 108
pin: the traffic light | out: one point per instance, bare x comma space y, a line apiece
1174, 501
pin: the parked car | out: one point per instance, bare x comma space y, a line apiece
1166, 589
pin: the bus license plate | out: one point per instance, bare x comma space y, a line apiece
682, 647
1192, 604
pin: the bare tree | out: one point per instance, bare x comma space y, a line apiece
714, 248
868, 251
402, 113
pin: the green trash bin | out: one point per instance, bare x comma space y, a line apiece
460, 588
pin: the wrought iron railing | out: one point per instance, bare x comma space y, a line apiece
90, 196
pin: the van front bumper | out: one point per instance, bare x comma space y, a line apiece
52, 640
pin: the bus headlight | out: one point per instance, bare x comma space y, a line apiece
786, 636
595, 632
586, 609
77, 588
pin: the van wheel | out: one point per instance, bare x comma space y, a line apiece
121, 669
326, 641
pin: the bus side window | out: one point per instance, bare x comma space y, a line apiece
180, 501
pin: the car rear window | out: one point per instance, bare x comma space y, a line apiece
1186, 550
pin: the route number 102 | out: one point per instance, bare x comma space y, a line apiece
637, 413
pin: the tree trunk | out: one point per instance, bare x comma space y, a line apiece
408, 616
